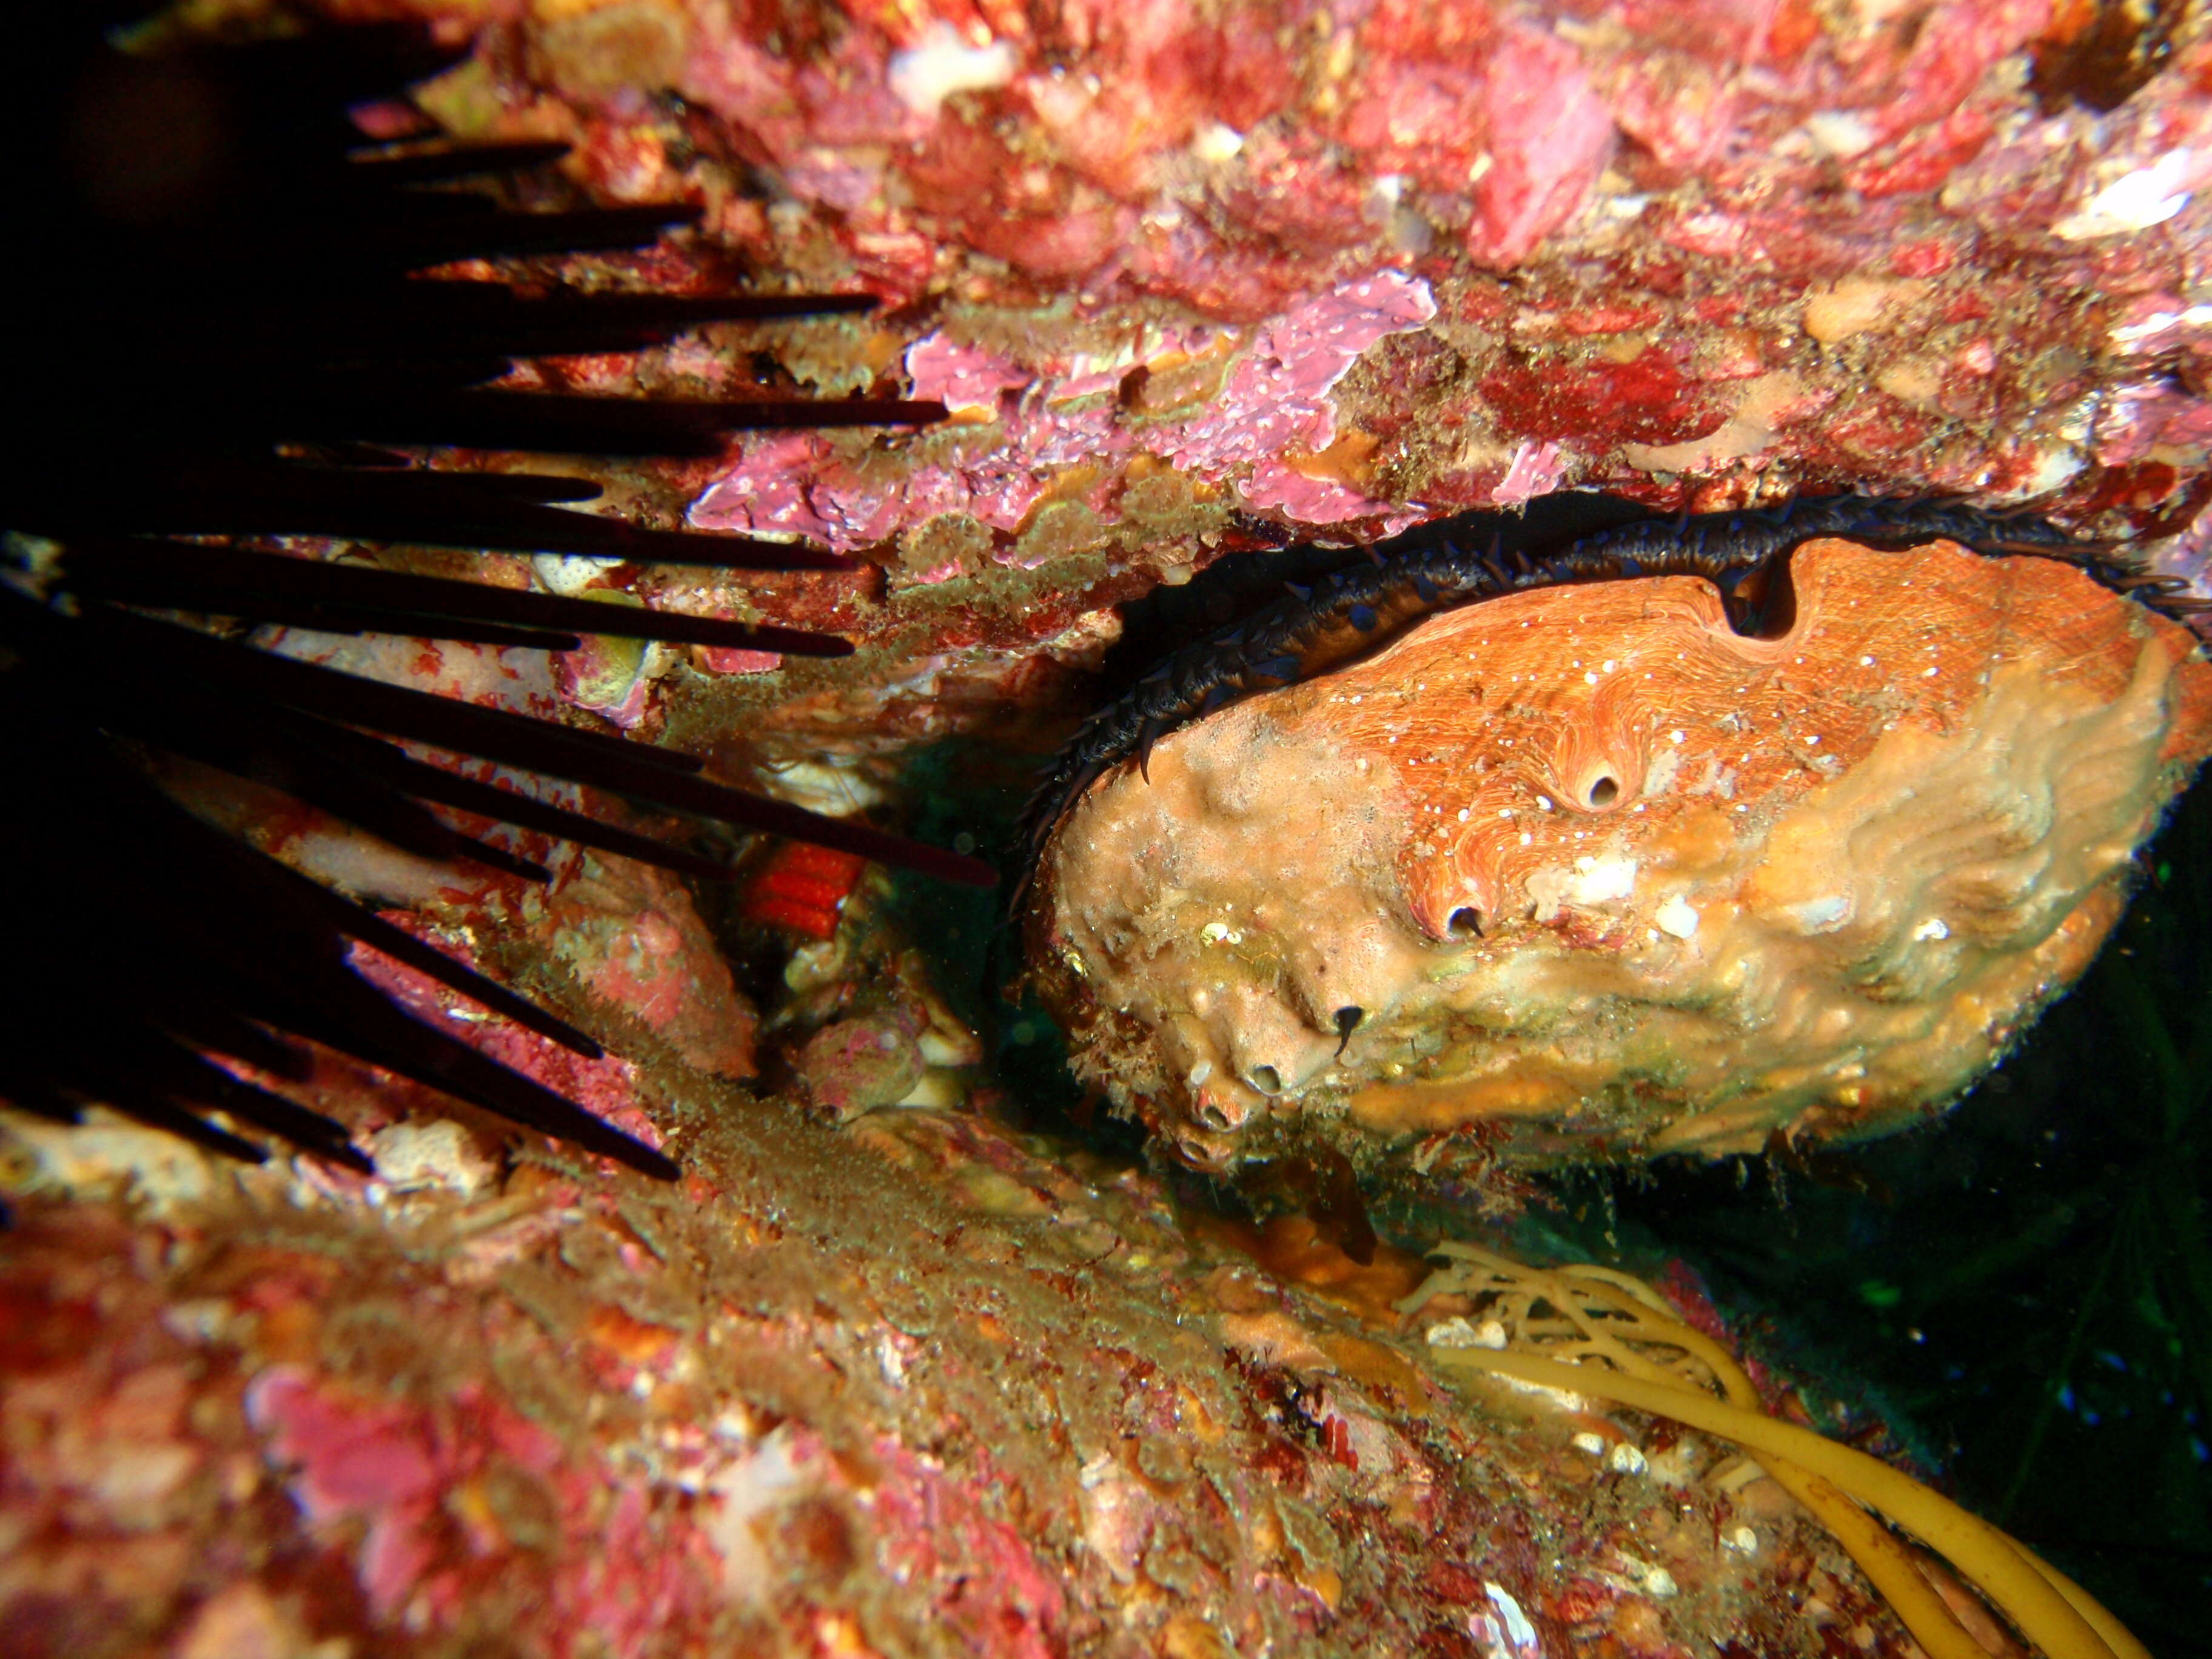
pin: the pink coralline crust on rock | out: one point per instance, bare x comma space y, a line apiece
1110, 173
1275, 398
1057, 415
732, 659
1409, 94
966, 377
1897, 105
638, 1573
799, 483
1079, 191
853, 1065
356, 1462
2085, 185
404, 1472
768, 490
2150, 325
1949, 55
631, 934
877, 1390
1548, 137
1318, 501
1239, 158
539, 683
606, 1086
939, 1530
1053, 197
1536, 469
2141, 418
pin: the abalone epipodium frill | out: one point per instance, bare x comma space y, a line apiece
1589, 863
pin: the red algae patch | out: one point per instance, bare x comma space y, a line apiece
1588, 860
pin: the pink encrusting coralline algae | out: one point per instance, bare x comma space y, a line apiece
1042, 420
420, 1479
1703, 258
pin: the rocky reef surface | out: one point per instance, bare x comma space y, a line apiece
922, 1385
1196, 281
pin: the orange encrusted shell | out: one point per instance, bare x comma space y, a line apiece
1586, 860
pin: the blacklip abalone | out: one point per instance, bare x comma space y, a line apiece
1590, 866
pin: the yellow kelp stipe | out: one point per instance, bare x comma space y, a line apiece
1590, 1330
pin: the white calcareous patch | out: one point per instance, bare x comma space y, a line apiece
942, 63
744, 1496
1520, 1631
1215, 142
422, 1157
1601, 880
1840, 133
1459, 1332
2138, 199
1818, 916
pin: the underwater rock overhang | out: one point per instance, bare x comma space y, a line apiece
1332, 280
2002, 300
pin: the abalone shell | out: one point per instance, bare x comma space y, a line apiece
1587, 863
